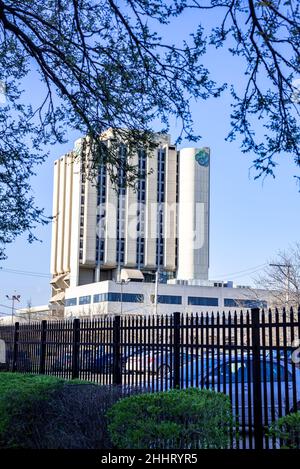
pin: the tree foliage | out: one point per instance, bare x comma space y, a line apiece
103, 65
266, 34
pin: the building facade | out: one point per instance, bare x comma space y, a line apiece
111, 298
100, 227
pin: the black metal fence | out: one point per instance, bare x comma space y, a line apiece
252, 356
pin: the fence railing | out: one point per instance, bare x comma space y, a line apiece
252, 356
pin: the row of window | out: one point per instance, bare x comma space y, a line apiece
161, 163
165, 299
101, 297
121, 206
101, 200
82, 215
141, 196
101, 203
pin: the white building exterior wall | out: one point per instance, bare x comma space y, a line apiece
148, 290
63, 228
53, 262
193, 228
74, 243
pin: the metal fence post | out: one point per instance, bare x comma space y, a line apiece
76, 348
257, 394
176, 349
16, 346
117, 367
43, 347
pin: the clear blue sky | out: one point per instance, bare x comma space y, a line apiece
250, 220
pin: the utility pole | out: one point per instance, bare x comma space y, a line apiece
288, 267
156, 290
13, 298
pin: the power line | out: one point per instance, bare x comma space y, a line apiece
9, 307
9, 314
24, 272
245, 271
243, 275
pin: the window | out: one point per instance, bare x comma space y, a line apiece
241, 372
169, 299
99, 297
112, 296
231, 372
133, 298
85, 300
202, 301
70, 301
236, 303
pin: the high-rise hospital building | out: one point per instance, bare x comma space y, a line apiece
140, 249
160, 224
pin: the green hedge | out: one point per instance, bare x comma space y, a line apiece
189, 418
16, 388
45, 412
287, 428
20, 396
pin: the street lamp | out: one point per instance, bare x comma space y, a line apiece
13, 298
122, 282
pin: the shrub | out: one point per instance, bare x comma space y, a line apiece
51, 413
73, 417
17, 388
189, 418
287, 428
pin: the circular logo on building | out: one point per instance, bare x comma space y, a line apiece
202, 157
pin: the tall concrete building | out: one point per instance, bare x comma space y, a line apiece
160, 225
193, 214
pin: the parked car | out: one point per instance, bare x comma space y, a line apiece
235, 378
97, 359
154, 362
24, 362
291, 355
